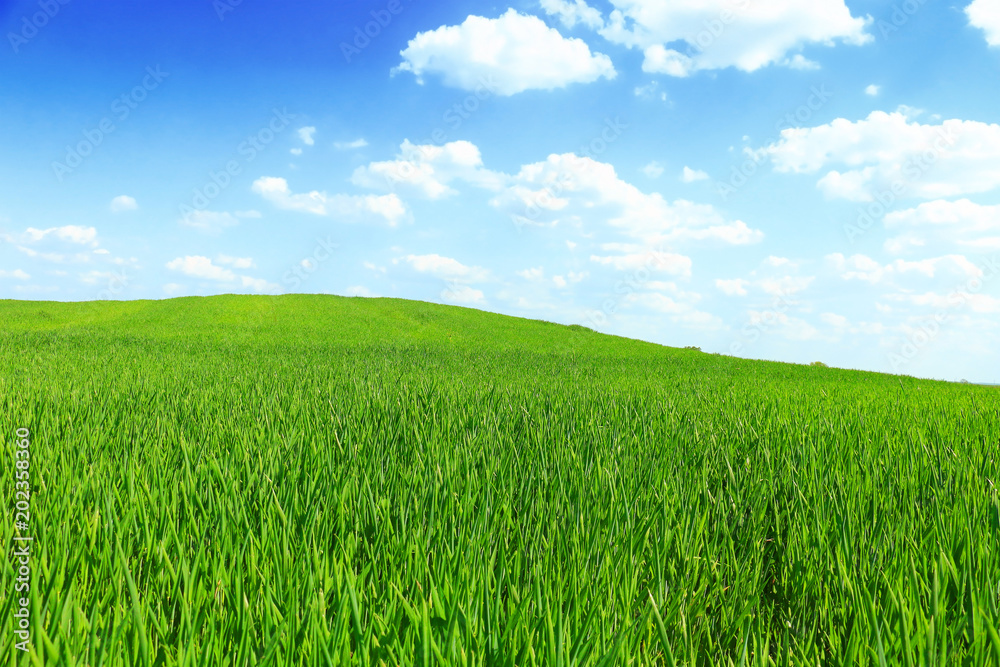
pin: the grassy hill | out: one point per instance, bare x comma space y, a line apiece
321, 480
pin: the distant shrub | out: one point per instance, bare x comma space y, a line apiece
819, 364
692, 347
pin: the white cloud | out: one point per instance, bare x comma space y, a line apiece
775, 277
651, 91
198, 266
463, 295
68, 233
571, 13
873, 90
864, 268
506, 55
668, 262
535, 274
735, 287
211, 222
428, 170
734, 233
446, 268
786, 285
720, 34
955, 299
107, 277
985, 15
952, 215
571, 189
350, 145
783, 324
123, 203
295, 151
778, 262
654, 169
54, 256
842, 324
800, 62
359, 290
690, 175
258, 284
834, 320
16, 274
942, 222
892, 150
307, 135
345, 207
678, 311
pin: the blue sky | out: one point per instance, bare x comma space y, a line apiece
796, 181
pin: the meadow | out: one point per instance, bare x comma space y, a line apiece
315, 480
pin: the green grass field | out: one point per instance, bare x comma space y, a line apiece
314, 480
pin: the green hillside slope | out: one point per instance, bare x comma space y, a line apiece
320, 480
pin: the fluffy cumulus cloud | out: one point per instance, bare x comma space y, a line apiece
237, 262
506, 55
446, 268
680, 38
67, 245
841, 324
867, 269
889, 155
689, 175
941, 222
463, 295
573, 190
459, 277
536, 275
985, 15
123, 203
16, 274
679, 309
428, 169
652, 260
197, 266
307, 135
348, 208
775, 277
654, 169
785, 285
734, 287
58, 244
572, 13
69, 234
782, 324
202, 268
958, 299
359, 290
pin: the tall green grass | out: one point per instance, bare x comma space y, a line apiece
326, 481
